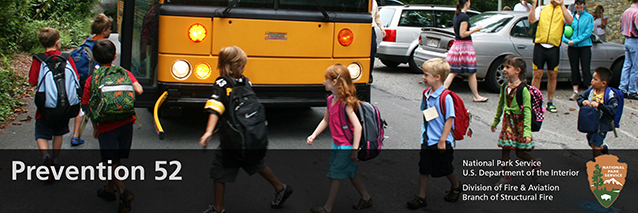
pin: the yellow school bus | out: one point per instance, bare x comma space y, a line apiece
172, 46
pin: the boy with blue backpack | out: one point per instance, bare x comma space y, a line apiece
56, 103
600, 110
83, 58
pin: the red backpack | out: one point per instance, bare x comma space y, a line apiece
461, 114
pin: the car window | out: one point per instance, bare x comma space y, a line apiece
416, 18
491, 22
521, 29
444, 18
386, 15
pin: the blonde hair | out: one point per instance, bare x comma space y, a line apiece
231, 61
437, 66
48, 36
345, 88
100, 23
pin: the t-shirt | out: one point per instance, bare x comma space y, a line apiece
521, 7
457, 20
600, 98
34, 73
106, 126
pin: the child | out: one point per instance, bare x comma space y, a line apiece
44, 131
101, 28
232, 61
115, 137
343, 157
437, 141
517, 129
596, 98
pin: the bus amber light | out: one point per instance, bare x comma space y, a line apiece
355, 71
197, 32
181, 69
345, 37
202, 70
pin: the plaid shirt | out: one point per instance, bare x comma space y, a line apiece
629, 22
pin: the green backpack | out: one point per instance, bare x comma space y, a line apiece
112, 95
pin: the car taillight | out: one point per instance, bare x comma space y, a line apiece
390, 35
449, 44
197, 32
345, 37
420, 40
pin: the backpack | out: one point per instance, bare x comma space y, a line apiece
244, 126
536, 98
83, 58
461, 114
621, 104
58, 88
112, 95
588, 119
372, 132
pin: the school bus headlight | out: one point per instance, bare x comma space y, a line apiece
181, 69
197, 32
345, 37
202, 70
355, 71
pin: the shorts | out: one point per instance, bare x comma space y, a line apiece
435, 163
341, 165
227, 174
45, 130
543, 56
116, 144
596, 138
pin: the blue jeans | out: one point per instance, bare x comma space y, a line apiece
629, 75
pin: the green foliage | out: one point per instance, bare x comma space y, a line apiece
23, 18
597, 177
11, 85
481, 6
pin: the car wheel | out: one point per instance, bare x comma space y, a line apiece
391, 64
495, 77
414, 68
616, 69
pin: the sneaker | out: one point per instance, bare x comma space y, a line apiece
551, 108
417, 202
76, 141
504, 180
108, 196
281, 196
125, 201
573, 97
605, 150
362, 204
211, 209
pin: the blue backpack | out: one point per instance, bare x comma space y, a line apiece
83, 58
621, 104
57, 93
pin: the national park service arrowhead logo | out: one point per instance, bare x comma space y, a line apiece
606, 178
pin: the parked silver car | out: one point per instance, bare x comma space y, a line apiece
508, 32
403, 25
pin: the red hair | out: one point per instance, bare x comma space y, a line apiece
345, 88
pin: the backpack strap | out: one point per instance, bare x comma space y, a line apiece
519, 94
442, 102
347, 131
41, 57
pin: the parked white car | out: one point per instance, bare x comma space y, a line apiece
403, 25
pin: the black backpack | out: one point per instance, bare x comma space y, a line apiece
58, 87
372, 132
244, 135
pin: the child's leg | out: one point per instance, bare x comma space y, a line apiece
358, 184
423, 184
270, 176
76, 125
43, 144
220, 188
332, 194
596, 150
523, 155
454, 181
505, 156
57, 145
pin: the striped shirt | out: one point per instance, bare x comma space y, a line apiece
629, 22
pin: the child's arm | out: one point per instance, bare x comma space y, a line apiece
322, 126
447, 128
609, 107
138, 88
210, 127
583, 99
527, 114
499, 111
356, 126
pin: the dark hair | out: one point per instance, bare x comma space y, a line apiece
461, 3
100, 23
48, 36
517, 62
604, 73
104, 52
635, 1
